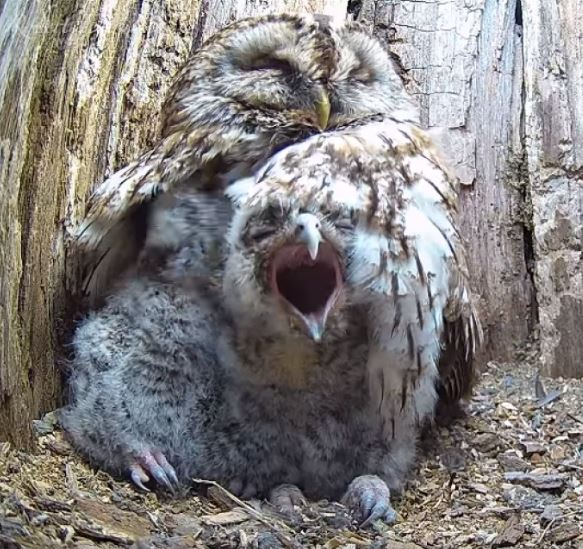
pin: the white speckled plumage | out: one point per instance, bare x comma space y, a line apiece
404, 258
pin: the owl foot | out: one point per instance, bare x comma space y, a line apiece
368, 496
155, 464
286, 497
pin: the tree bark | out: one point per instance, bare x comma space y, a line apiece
82, 81
504, 78
553, 119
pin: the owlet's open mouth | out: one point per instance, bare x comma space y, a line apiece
309, 286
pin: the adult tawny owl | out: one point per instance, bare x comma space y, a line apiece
310, 355
254, 87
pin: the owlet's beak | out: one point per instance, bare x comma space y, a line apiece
308, 232
323, 110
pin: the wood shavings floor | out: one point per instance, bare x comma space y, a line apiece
508, 475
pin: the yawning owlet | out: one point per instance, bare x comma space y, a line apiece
394, 204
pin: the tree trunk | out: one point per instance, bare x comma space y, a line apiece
81, 83
553, 120
464, 63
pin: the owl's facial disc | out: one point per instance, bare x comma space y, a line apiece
308, 287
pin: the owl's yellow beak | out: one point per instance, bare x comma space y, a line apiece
323, 110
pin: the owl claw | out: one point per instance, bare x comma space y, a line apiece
139, 476
159, 474
155, 464
168, 469
368, 497
382, 511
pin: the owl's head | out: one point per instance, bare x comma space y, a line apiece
364, 80
273, 64
304, 70
286, 268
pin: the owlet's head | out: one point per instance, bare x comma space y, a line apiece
285, 269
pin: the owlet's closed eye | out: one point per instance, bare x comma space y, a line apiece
269, 63
260, 232
344, 224
342, 221
266, 225
362, 74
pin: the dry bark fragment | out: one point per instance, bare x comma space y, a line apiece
533, 447
563, 533
538, 481
511, 534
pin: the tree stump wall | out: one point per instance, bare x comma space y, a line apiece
82, 81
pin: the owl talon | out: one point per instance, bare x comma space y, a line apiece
150, 462
155, 464
368, 497
168, 469
138, 476
161, 477
382, 511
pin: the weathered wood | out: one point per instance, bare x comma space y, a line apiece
81, 83
553, 106
504, 77
27, 379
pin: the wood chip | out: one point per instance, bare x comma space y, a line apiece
105, 521
480, 488
563, 533
510, 461
459, 496
486, 442
551, 397
12, 528
72, 481
533, 447
236, 516
98, 533
538, 481
511, 534
7, 543
551, 513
